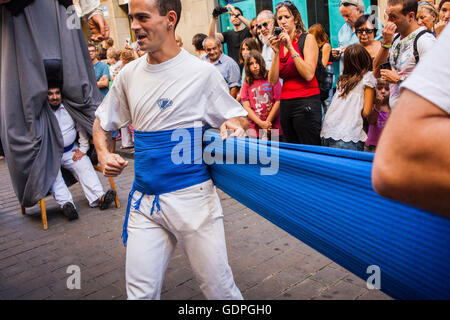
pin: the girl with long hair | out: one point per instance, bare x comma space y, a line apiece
260, 99
353, 100
300, 106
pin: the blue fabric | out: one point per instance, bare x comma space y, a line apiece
155, 170
101, 69
229, 70
324, 197
68, 148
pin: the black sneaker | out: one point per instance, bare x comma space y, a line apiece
69, 211
108, 198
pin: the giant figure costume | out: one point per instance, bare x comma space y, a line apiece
35, 39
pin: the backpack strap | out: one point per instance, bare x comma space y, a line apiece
301, 43
416, 52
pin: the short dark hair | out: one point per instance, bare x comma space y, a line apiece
165, 6
238, 9
408, 6
197, 41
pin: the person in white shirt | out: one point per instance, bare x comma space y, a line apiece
74, 159
266, 24
165, 90
412, 162
404, 49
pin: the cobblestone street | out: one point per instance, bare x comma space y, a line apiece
267, 262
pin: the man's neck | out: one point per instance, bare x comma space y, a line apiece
95, 61
412, 27
168, 51
239, 27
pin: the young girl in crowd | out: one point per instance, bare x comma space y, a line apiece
260, 99
353, 100
246, 46
378, 116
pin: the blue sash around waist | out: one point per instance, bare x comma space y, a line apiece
162, 165
68, 148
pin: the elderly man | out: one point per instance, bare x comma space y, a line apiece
265, 24
227, 67
351, 10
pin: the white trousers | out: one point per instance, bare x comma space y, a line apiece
127, 138
193, 217
85, 174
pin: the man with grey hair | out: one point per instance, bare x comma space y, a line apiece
228, 68
351, 10
265, 24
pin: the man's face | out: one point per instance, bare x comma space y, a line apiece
235, 20
92, 53
350, 14
395, 15
54, 97
267, 26
213, 50
150, 28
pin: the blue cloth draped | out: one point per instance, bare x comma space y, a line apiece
165, 161
324, 197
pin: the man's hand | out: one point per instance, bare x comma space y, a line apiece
235, 125
389, 33
78, 154
113, 164
99, 28
232, 9
390, 76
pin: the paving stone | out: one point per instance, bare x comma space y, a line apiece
343, 290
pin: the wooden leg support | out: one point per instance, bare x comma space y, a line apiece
113, 186
23, 209
44, 214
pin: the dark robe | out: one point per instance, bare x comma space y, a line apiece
31, 32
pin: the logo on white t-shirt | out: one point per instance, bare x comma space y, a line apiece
164, 103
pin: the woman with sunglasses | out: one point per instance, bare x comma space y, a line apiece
366, 31
300, 108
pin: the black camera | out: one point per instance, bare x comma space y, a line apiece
385, 65
277, 31
218, 11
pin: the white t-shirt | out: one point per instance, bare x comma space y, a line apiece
167, 96
343, 120
431, 78
402, 57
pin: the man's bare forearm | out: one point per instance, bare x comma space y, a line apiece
101, 138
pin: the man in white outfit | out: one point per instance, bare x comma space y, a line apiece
165, 90
74, 159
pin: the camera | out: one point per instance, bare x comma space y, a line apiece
277, 31
218, 11
385, 65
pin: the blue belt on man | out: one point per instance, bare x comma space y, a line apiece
157, 167
69, 147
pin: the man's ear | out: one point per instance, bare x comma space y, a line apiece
172, 19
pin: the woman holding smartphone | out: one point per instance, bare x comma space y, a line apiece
300, 107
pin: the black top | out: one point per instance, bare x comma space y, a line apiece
16, 6
233, 39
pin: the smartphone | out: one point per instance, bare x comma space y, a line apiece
385, 65
277, 31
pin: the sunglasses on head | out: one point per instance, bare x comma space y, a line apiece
284, 3
361, 31
264, 24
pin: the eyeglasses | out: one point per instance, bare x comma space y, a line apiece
284, 3
361, 31
264, 24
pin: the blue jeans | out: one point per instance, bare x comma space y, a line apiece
339, 144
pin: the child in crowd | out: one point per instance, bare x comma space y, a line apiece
378, 116
260, 99
246, 46
343, 123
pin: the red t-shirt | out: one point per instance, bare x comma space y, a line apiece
262, 96
294, 85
